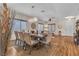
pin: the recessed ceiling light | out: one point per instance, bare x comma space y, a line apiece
34, 19
42, 10
33, 6
49, 19
53, 17
70, 17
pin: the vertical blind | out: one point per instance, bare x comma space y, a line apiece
40, 27
51, 28
19, 25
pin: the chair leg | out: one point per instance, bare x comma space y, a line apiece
30, 50
24, 45
16, 42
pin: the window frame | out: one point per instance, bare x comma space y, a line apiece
20, 24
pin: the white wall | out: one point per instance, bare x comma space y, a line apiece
68, 27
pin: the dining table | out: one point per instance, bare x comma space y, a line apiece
39, 39
34, 39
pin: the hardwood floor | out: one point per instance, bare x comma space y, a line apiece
60, 46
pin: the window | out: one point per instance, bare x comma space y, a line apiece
19, 25
23, 26
51, 28
40, 28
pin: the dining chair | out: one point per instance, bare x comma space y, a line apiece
21, 39
17, 38
27, 39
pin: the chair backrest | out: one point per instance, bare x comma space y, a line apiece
21, 35
13, 36
24, 36
16, 34
27, 38
48, 38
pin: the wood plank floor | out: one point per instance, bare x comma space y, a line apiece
60, 46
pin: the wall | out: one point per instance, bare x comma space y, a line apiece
68, 27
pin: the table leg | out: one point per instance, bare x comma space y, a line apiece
30, 50
25, 45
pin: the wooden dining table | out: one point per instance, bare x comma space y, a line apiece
34, 39
39, 39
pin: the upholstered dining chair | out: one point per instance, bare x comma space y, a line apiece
19, 39
21, 36
27, 39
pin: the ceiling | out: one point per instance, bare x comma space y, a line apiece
44, 11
